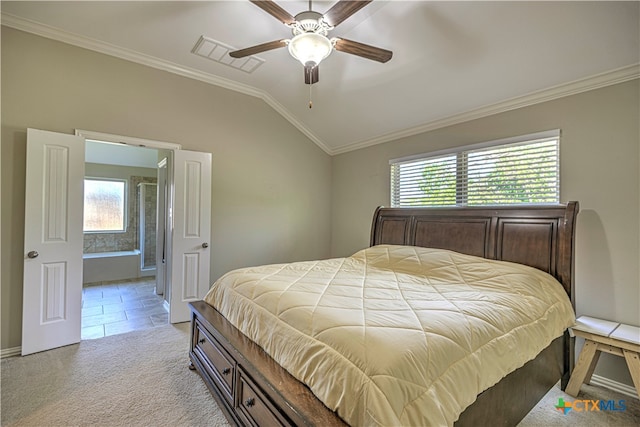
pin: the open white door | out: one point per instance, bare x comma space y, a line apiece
191, 219
52, 288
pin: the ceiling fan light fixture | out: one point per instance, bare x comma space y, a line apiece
310, 47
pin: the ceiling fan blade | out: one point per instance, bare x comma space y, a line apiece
311, 74
274, 10
258, 48
344, 9
363, 50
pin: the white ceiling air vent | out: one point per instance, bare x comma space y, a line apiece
219, 52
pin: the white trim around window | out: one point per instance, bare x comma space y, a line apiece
518, 170
97, 217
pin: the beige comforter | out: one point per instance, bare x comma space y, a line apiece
396, 335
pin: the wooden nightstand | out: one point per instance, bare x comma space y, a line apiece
611, 337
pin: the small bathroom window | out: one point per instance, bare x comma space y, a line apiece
104, 205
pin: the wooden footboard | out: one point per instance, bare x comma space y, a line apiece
247, 383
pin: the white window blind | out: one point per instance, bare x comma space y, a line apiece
524, 170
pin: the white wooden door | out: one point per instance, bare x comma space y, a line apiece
191, 234
53, 242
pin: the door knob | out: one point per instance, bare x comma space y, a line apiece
32, 254
205, 245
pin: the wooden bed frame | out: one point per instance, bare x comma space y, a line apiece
253, 389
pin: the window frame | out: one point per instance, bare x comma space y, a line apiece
125, 205
461, 154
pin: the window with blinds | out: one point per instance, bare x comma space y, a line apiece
521, 170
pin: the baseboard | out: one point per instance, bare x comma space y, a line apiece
613, 385
10, 352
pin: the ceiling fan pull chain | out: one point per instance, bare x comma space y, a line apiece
310, 102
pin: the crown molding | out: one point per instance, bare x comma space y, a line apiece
597, 81
49, 32
582, 85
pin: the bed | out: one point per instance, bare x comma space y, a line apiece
245, 354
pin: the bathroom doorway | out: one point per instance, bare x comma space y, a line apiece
120, 261
55, 165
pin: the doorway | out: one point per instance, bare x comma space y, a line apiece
53, 263
121, 203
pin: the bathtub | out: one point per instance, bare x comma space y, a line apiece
105, 266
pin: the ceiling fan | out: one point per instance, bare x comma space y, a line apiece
310, 43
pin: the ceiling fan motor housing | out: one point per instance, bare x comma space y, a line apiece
310, 22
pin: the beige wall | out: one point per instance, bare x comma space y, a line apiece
271, 184
599, 163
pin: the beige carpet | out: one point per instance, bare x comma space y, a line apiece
142, 379
136, 379
545, 413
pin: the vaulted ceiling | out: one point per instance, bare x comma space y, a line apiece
452, 61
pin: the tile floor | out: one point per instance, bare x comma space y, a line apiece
110, 308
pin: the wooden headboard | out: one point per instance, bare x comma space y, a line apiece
541, 236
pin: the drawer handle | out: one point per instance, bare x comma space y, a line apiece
226, 371
250, 402
202, 340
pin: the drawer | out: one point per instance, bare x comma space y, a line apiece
218, 364
254, 406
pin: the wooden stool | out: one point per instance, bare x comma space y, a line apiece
611, 337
